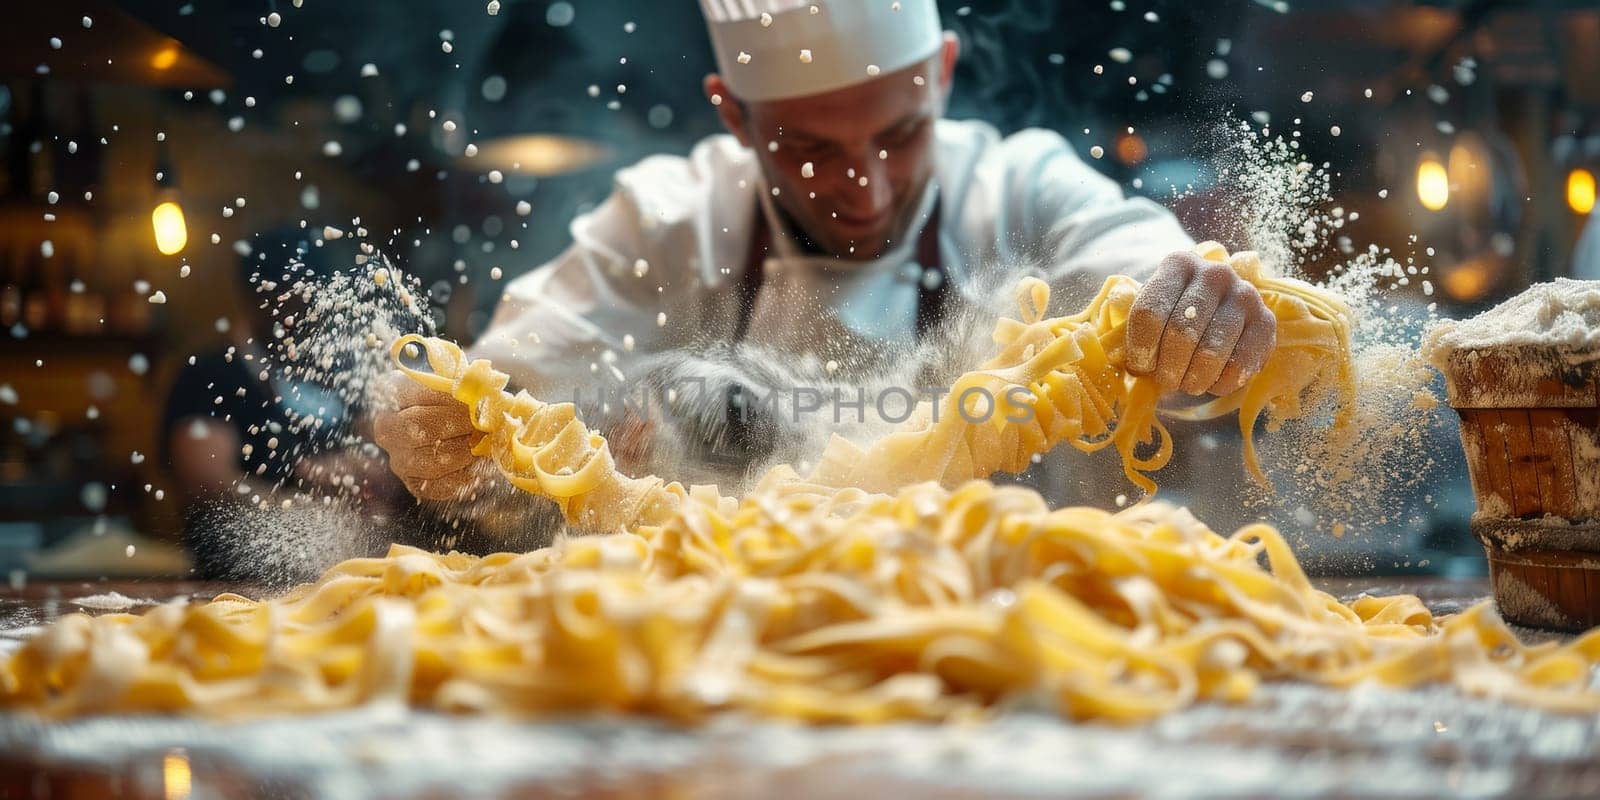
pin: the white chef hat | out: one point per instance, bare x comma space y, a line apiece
778, 49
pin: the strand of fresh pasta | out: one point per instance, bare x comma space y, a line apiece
1311, 362
1064, 380
541, 448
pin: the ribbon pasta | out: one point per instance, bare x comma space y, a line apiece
542, 448
811, 600
804, 601
1070, 373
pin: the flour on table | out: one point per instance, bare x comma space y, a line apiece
1290, 740
110, 601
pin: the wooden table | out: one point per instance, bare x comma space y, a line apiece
1293, 740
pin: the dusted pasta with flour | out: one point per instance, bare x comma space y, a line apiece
804, 601
1071, 374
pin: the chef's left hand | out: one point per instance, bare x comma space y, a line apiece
1199, 327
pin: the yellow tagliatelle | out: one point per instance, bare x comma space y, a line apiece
803, 601
543, 448
811, 600
1070, 375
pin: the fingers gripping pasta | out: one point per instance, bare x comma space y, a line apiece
805, 599
1311, 361
1064, 380
542, 448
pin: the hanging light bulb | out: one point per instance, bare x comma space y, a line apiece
172, 233
1433, 183
171, 230
1580, 191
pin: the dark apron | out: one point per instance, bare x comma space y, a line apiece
930, 300
749, 439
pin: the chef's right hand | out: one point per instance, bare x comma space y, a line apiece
429, 437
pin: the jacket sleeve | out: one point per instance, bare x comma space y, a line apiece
1077, 223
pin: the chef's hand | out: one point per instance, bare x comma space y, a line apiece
429, 439
709, 414
1199, 327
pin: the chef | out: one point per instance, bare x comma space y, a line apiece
839, 214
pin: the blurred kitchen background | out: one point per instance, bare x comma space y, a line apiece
144, 137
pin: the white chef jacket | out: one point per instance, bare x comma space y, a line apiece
657, 265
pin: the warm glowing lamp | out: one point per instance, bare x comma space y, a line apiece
1580, 191
165, 58
540, 154
172, 232
1468, 281
1131, 149
1433, 183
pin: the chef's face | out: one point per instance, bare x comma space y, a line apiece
849, 166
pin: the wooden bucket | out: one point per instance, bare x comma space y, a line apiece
1530, 426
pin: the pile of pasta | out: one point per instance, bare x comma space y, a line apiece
805, 599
